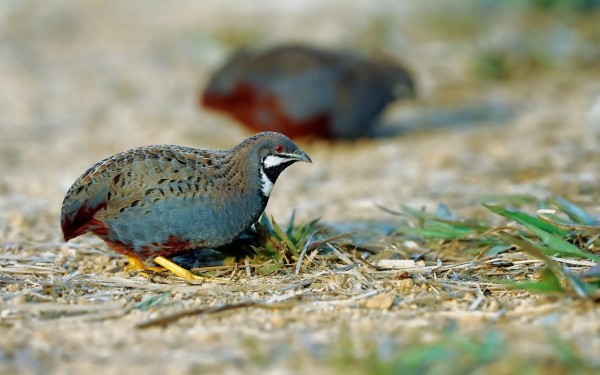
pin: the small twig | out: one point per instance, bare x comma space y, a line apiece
359, 257
302, 284
347, 302
315, 245
434, 289
303, 253
389, 211
247, 265
165, 320
480, 298
545, 215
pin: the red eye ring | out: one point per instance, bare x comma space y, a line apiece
279, 148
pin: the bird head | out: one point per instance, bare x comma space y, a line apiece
275, 152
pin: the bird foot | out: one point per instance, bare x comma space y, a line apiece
137, 265
178, 270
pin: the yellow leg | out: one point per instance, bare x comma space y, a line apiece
137, 265
178, 270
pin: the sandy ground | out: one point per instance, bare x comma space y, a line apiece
81, 80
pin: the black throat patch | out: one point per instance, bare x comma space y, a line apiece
268, 177
273, 172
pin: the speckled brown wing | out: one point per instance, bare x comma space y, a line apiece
156, 200
162, 200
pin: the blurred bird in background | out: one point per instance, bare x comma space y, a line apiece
304, 91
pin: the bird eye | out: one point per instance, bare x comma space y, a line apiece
279, 148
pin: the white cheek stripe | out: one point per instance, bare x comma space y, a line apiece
273, 160
266, 185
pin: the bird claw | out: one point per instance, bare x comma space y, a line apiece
178, 270
138, 266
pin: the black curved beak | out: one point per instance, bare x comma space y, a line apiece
300, 155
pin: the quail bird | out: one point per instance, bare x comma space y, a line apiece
157, 201
304, 91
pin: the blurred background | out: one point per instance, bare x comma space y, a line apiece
504, 97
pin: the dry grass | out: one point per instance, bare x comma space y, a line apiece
454, 288
452, 300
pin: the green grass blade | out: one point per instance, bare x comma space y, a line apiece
152, 301
582, 288
426, 217
526, 220
417, 214
561, 246
291, 224
548, 284
283, 237
573, 283
264, 221
575, 213
269, 268
443, 212
498, 249
302, 235
436, 232
515, 199
267, 251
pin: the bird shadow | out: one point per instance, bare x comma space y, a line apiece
493, 113
209, 257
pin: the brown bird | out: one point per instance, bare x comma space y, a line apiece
305, 91
158, 201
